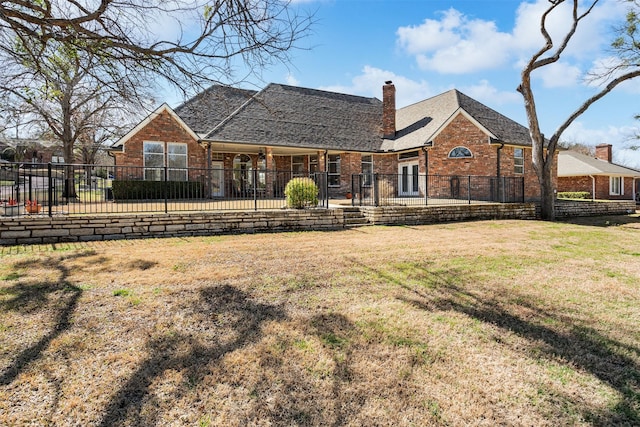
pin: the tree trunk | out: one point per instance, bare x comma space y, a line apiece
69, 190
547, 195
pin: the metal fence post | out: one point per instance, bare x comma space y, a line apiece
469, 188
50, 189
504, 189
254, 179
376, 190
166, 189
426, 189
353, 190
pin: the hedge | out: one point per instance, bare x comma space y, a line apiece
149, 190
574, 195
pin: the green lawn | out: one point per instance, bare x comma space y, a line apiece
479, 323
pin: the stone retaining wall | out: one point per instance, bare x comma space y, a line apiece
34, 230
42, 229
573, 208
413, 215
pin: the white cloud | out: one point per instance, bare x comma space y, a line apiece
455, 45
370, 82
490, 95
432, 34
291, 80
458, 44
560, 74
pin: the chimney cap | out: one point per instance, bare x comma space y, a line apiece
388, 82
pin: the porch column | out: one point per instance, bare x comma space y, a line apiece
270, 172
322, 161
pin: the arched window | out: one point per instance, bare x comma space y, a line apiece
460, 153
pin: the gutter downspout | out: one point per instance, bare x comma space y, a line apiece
593, 187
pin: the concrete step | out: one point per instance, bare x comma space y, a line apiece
353, 217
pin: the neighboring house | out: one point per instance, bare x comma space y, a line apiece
30, 150
597, 175
296, 130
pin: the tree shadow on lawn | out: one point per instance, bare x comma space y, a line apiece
612, 362
630, 221
182, 352
33, 297
281, 393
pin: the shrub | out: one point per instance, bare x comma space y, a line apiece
301, 192
149, 190
574, 195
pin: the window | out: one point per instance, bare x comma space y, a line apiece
57, 157
297, 165
518, 160
367, 170
409, 155
334, 170
153, 160
176, 162
616, 185
460, 153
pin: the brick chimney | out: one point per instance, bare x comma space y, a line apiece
389, 110
603, 152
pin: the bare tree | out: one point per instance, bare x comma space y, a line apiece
185, 41
579, 147
627, 67
66, 92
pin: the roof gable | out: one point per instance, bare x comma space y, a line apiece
162, 109
208, 108
421, 122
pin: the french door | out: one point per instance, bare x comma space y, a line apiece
408, 177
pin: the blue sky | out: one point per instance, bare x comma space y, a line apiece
476, 46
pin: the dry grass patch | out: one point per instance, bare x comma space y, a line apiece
482, 323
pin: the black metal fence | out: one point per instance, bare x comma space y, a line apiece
421, 190
95, 189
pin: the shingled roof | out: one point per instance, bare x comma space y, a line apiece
572, 163
289, 116
211, 106
420, 123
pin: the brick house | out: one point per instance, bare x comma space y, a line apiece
293, 130
597, 175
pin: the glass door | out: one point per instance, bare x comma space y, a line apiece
217, 179
408, 176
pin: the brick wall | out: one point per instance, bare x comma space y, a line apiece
585, 183
162, 128
462, 132
575, 183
